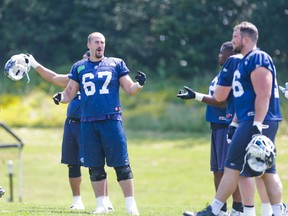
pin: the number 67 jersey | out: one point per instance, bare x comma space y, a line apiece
243, 92
99, 86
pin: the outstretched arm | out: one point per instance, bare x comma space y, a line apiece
188, 93
210, 100
221, 93
60, 80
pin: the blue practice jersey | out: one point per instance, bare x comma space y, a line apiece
73, 109
215, 114
99, 86
225, 79
244, 95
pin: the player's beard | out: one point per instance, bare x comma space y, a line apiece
238, 49
98, 55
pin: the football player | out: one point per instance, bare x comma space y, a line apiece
219, 117
71, 135
222, 92
102, 134
256, 100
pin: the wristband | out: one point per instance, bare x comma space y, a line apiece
199, 96
35, 64
258, 125
234, 124
138, 85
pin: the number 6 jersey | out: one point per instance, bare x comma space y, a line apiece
243, 92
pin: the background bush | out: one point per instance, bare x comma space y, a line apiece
155, 108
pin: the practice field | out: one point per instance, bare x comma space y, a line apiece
171, 174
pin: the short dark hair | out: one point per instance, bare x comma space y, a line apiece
87, 53
228, 46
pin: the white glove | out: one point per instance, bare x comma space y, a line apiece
32, 61
284, 90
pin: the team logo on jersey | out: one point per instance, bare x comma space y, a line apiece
80, 68
82, 160
252, 113
117, 109
229, 116
223, 118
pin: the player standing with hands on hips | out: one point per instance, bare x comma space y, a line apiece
256, 100
102, 133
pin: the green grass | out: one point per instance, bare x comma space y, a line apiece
171, 174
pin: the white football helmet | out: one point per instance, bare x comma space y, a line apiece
260, 154
17, 67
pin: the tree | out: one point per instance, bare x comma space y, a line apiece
170, 39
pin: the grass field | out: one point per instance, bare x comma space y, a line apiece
171, 174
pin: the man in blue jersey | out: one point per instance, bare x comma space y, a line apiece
219, 118
222, 91
71, 134
102, 134
256, 100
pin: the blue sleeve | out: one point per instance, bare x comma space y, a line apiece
226, 74
261, 59
122, 68
75, 70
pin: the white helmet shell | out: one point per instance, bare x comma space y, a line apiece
260, 153
17, 67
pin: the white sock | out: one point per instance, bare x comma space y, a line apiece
130, 203
249, 211
266, 209
77, 199
216, 206
101, 201
277, 209
109, 204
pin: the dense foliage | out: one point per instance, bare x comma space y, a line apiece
175, 42
170, 39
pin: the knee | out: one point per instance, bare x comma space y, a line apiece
97, 173
123, 173
74, 171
